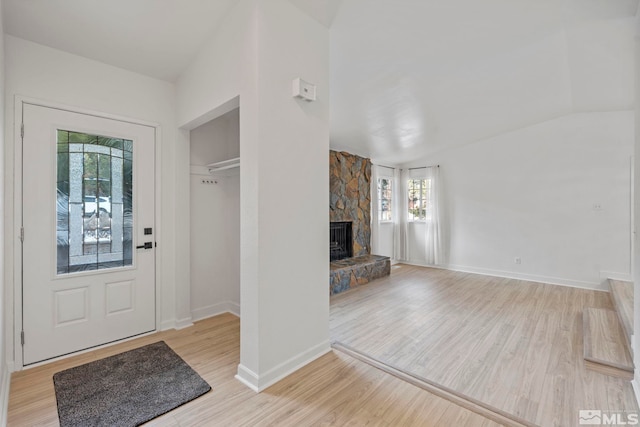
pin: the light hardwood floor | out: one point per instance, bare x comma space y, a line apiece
515, 345
605, 344
335, 390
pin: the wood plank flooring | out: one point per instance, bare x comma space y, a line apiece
604, 343
511, 344
622, 296
335, 390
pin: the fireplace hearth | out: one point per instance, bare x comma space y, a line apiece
340, 240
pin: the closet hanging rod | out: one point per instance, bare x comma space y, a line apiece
222, 168
230, 162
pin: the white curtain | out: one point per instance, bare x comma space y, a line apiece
400, 206
375, 223
431, 238
433, 228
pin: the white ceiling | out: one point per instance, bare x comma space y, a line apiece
158, 38
408, 77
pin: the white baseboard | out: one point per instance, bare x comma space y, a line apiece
5, 384
216, 309
601, 286
247, 377
625, 277
202, 313
183, 323
165, 325
259, 383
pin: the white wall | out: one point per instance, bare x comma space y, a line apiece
215, 220
5, 330
635, 342
223, 69
216, 140
47, 74
215, 246
531, 194
255, 54
293, 145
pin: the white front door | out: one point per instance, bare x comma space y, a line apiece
88, 201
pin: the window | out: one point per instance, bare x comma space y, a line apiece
94, 202
384, 199
419, 192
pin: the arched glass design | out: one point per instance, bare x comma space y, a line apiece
94, 202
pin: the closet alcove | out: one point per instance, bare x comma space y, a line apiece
215, 216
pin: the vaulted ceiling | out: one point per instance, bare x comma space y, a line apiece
158, 38
408, 77
414, 77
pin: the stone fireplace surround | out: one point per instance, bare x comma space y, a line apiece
350, 196
350, 201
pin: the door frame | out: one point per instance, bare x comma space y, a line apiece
14, 233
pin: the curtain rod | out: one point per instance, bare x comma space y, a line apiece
425, 167
383, 166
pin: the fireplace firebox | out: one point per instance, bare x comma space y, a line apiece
340, 240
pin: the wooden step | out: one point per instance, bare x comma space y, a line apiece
622, 297
605, 348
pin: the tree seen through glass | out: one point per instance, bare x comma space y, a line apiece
384, 199
419, 202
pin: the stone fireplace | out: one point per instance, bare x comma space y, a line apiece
350, 197
352, 263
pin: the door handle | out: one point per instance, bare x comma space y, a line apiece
147, 245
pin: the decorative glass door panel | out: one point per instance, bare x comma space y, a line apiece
94, 202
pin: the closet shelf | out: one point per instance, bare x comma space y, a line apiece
224, 166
